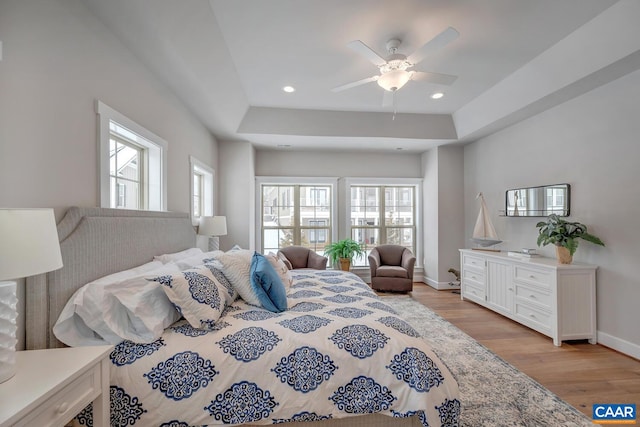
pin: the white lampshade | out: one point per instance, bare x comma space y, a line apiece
394, 80
213, 226
28, 243
28, 246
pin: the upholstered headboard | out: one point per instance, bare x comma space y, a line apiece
95, 242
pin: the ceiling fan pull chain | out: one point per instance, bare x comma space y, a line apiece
394, 105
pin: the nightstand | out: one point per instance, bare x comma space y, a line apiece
52, 386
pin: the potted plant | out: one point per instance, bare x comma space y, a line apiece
564, 235
343, 252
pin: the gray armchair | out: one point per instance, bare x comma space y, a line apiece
392, 268
296, 257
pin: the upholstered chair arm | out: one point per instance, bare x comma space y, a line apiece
374, 261
316, 261
408, 262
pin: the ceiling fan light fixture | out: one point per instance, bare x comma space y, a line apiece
394, 80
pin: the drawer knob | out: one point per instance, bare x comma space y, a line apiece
532, 296
62, 408
473, 277
531, 276
510, 289
533, 316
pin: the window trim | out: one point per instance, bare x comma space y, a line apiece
155, 146
208, 195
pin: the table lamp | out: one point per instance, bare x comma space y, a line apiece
213, 226
28, 246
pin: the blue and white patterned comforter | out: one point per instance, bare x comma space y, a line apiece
338, 351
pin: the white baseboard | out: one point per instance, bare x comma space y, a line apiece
440, 286
618, 344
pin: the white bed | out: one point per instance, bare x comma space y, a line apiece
333, 310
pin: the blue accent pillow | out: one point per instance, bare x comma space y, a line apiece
267, 285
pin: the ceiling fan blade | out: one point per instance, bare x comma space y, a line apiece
364, 50
437, 78
354, 84
387, 99
438, 42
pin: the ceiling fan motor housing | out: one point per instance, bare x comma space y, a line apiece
393, 45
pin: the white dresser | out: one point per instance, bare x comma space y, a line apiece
554, 299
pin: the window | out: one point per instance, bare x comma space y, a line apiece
319, 234
126, 174
294, 214
132, 163
122, 195
202, 190
383, 214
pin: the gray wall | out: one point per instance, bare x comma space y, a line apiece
337, 164
57, 60
590, 142
237, 193
443, 221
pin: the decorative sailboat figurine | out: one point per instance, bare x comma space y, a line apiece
484, 233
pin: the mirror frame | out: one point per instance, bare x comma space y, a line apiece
537, 212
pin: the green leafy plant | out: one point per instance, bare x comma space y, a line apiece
564, 233
346, 249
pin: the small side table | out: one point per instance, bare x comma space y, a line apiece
52, 386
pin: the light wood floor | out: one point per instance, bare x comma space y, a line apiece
580, 373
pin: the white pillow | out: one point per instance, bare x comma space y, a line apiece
176, 256
280, 268
139, 310
127, 274
71, 329
200, 259
235, 266
104, 312
198, 295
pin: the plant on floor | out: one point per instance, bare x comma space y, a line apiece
564, 234
342, 252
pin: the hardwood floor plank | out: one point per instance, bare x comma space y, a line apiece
580, 373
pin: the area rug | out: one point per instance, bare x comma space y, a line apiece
493, 393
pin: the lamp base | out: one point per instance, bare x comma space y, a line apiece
214, 243
8, 327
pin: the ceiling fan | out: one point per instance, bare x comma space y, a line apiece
395, 69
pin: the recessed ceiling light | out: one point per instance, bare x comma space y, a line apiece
437, 95
289, 89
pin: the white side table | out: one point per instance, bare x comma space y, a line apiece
52, 386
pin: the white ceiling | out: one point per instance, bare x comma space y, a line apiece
229, 59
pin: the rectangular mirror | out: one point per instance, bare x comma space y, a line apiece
538, 201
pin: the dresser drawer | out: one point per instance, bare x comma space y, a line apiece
533, 276
473, 291
533, 317
472, 262
474, 277
63, 406
534, 295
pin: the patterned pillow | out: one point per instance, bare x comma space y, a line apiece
280, 268
236, 266
197, 294
267, 284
